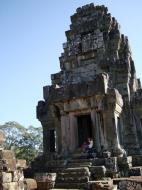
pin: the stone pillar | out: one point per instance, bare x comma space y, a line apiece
65, 131
112, 137
117, 147
46, 139
96, 134
101, 129
73, 133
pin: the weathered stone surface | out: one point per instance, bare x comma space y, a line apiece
30, 184
97, 172
51, 177
130, 184
7, 154
137, 160
135, 171
44, 185
9, 165
72, 185
5, 177
111, 165
21, 163
125, 162
10, 186
17, 175
98, 161
103, 185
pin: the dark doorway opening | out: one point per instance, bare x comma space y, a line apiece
84, 128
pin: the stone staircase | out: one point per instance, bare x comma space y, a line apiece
80, 172
77, 177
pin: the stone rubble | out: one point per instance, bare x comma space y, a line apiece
11, 171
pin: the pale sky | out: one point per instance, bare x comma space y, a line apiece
31, 37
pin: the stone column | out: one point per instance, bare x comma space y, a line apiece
112, 137
101, 128
46, 138
73, 133
65, 131
96, 134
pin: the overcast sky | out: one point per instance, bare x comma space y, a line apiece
31, 37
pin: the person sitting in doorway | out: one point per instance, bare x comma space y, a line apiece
90, 143
87, 145
90, 150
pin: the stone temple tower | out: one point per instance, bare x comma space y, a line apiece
96, 93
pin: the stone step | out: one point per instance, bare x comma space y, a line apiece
97, 172
79, 179
79, 164
135, 171
73, 174
57, 163
98, 162
80, 160
80, 156
137, 160
66, 189
77, 169
134, 182
102, 185
72, 185
55, 170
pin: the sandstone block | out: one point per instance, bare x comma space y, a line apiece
101, 186
135, 171
21, 163
137, 160
106, 154
30, 184
17, 175
7, 154
9, 165
5, 177
98, 162
78, 169
49, 177
130, 185
10, 186
21, 185
97, 172
44, 185
125, 162
111, 164
71, 186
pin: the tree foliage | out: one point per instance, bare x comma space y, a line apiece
26, 142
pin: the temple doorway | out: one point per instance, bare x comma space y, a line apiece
84, 128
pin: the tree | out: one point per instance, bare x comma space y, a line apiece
26, 142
